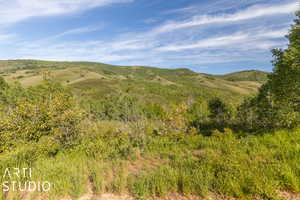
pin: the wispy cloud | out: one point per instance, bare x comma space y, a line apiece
269, 34
207, 43
4, 37
77, 51
136, 49
259, 39
13, 11
76, 31
173, 43
247, 14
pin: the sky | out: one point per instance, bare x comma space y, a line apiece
209, 36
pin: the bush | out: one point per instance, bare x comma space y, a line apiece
47, 110
120, 107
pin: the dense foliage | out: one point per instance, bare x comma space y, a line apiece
278, 102
28, 115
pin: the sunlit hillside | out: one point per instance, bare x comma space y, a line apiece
96, 80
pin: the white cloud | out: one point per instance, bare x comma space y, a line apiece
5, 37
273, 33
263, 45
74, 31
137, 49
12, 11
247, 14
257, 39
212, 7
207, 43
101, 51
160, 46
77, 31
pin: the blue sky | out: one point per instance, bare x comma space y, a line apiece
211, 36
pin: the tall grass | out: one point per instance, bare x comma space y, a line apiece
225, 164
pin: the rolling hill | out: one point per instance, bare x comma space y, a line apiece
96, 80
249, 75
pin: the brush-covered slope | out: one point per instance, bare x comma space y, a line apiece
249, 75
96, 80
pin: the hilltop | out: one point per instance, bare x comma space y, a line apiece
249, 75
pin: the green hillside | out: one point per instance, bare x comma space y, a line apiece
249, 75
97, 80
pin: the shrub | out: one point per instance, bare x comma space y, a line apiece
47, 110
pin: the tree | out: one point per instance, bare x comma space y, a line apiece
278, 102
120, 106
247, 114
283, 87
220, 113
3, 87
3, 84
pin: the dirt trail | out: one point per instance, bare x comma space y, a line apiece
172, 196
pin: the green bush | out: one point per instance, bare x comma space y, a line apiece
47, 110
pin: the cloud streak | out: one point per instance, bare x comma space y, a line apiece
207, 43
136, 49
75, 31
4, 37
14, 11
256, 39
247, 14
170, 44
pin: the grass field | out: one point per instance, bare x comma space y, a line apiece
224, 165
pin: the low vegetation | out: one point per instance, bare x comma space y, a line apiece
251, 75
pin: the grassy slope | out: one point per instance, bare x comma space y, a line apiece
96, 80
250, 75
